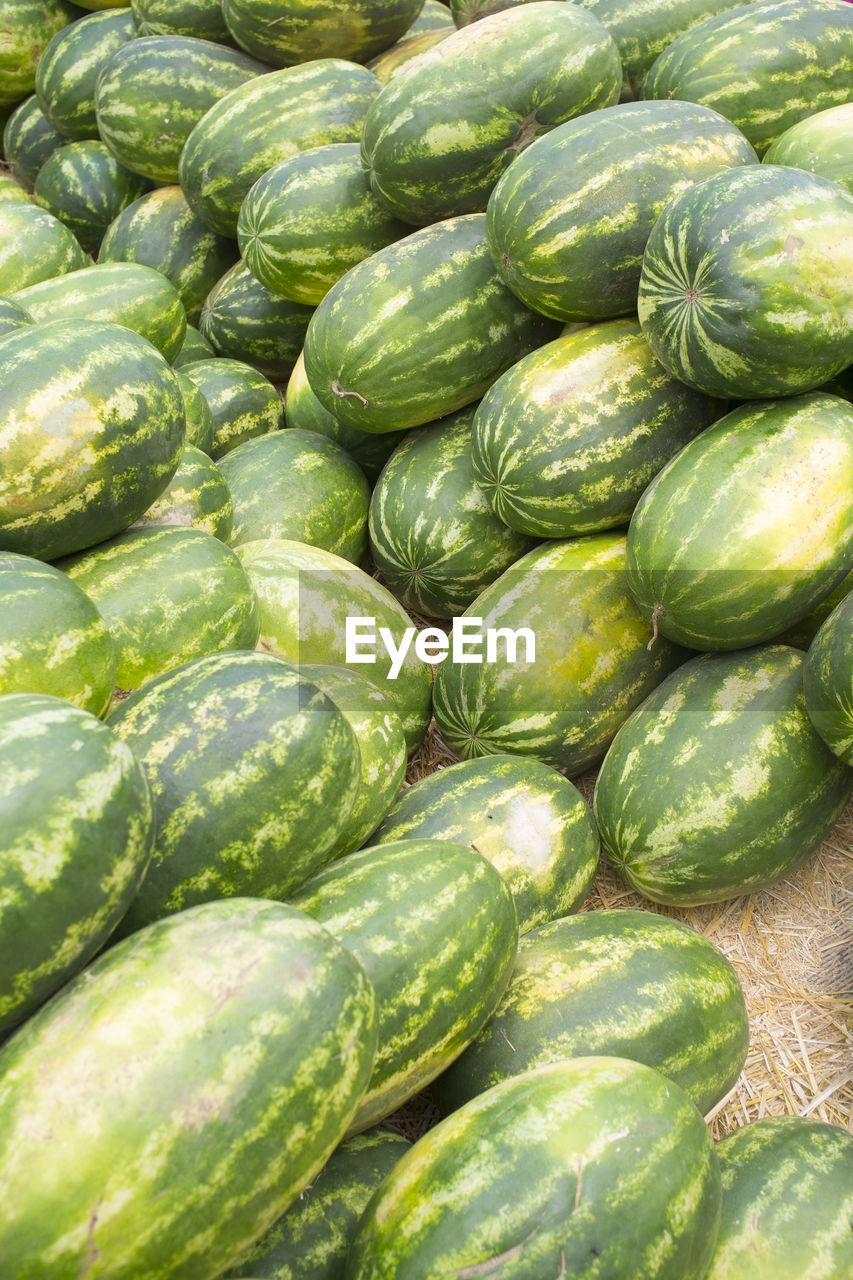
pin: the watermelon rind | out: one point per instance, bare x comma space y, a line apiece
84, 186
28, 139
828, 681
242, 402
196, 497
284, 32
243, 320
34, 246
68, 70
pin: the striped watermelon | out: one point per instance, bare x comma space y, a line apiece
828, 681
12, 190
196, 497
434, 926
625, 984
259, 124
822, 144
242, 402
310, 218
718, 784
802, 633
527, 819
566, 440
84, 186
437, 139
310, 1241
54, 640
747, 282
305, 596
200, 424
417, 330
161, 231
194, 347
762, 66
568, 223
69, 67
168, 595
114, 411
151, 93
787, 1202
28, 139
183, 1092
136, 297
590, 1167
592, 663
243, 320
200, 18
385, 66
298, 485
253, 773
26, 28
76, 839
34, 246
288, 31
13, 316
433, 534
750, 526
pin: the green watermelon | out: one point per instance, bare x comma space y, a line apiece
568, 223
310, 218
111, 409
152, 92
591, 665
12, 190
828, 681
764, 67
34, 246
306, 596
200, 425
168, 594
76, 823
787, 1202
822, 144
243, 320
298, 485
161, 231
28, 139
566, 440
718, 785
242, 402
593, 1167
69, 67
26, 28
253, 773
417, 330
200, 18
13, 317
288, 31
185, 1089
84, 186
434, 16
434, 926
54, 640
750, 526
437, 139
626, 984
196, 497
385, 66
801, 634
194, 347
527, 819
433, 534
259, 124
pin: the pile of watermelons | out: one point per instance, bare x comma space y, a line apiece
370, 361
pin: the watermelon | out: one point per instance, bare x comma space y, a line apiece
306, 595
185, 1088
200, 425
113, 412
76, 838
194, 347
819, 144
747, 282
434, 926
160, 230
152, 92
566, 440
394, 60
69, 67
26, 28
261, 123
28, 139
590, 668
243, 320
196, 497
527, 819
568, 223
625, 984
287, 31
787, 1201
253, 773
54, 640
801, 634
381, 746
200, 18
13, 317
168, 595
242, 402
750, 526
12, 190
136, 297
417, 330
718, 784
828, 681
34, 246
310, 1241
434, 16
309, 219
298, 485
84, 186
540, 1176
437, 139
764, 67
433, 534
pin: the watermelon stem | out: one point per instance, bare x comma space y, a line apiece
337, 391
656, 613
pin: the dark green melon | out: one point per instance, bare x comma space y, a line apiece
828, 681
243, 403
27, 28
34, 246
200, 18
284, 32
28, 139
196, 497
68, 70
243, 320
200, 425
194, 347
718, 784
84, 186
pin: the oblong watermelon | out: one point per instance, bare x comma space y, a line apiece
27, 27
243, 320
200, 18
68, 70
288, 31
828, 680
28, 139
242, 402
385, 66
34, 246
84, 186
196, 497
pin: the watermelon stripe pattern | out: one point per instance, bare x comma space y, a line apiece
292, 31
822, 144
28, 139
68, 70
34, 246
243, 320
84, 186
196, 497
27, 27
828, 680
